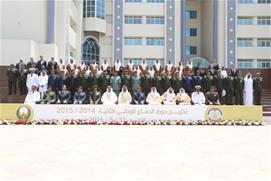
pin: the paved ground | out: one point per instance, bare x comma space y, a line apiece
135, 152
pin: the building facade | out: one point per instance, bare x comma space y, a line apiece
222, 31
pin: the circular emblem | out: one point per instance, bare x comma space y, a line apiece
214, 114
23, 112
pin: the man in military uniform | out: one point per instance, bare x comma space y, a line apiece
49, 97
126, 79
104, 81
238, 85
115, 82
229, 88
257, 86
95, 96
12, 74
157, 82
135, 81
22, 80
219, 84
176, 82
212, 97
146, 82
207, 81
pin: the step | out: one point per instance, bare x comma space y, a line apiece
267, 114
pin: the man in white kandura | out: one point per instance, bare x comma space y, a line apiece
169, 97
109, 97
154, 97
33, 96
43, 83
183, 98
198, 97
124, 96
117, 65
32, 79
248, 90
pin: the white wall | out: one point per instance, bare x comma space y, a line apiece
24, 20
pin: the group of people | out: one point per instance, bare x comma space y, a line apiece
51, 82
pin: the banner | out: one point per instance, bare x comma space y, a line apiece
129, 112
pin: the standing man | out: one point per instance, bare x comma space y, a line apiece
32, 79
238, 85
248, 90
115, 82
52, 65
219, 84
12, 74
135, 80
229, 88
22, 80
43, 83
257, 86
41, 64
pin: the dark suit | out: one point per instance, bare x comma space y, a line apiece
41, 63
52, 81
139, 98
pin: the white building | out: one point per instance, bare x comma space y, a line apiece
224, 31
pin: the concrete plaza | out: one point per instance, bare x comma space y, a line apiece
86, 152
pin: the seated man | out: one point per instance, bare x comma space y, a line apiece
183, 98
154, 97
49, 96
33, 96
79, 96
95, 96
139, 96
63, 95
109, 97
198, 96
124, 96
169, 97
212, 97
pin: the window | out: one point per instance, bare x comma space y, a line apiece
262, 42
155, 1
133, 1
90, 50
136, 61
191, 50
151, 61
155, 41
242, 42
245, 1
264, 1
244, 63
264, 20
94, 8
191, 14
191, 32
155, 20
132, 41
132, 19
264, 63
245, 21
100, 12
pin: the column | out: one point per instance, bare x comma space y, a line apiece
231, 32
183, 28
170, 31
118, 30
50, 21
